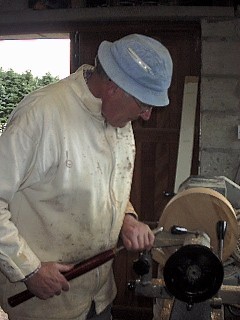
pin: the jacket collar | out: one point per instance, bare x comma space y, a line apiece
89, 101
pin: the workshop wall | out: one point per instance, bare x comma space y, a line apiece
219, 90
220, 98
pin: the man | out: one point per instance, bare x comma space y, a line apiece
66, 166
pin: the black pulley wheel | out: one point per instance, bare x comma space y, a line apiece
193, 274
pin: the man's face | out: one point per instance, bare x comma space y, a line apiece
120, 108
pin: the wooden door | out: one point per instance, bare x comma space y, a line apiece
156, 140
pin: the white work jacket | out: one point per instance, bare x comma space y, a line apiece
65, 179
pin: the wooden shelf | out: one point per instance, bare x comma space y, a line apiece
42, 20
111, 13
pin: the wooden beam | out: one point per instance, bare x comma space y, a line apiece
186, 138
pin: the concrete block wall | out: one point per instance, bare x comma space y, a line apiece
220, 98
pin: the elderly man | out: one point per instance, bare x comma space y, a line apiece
66, 166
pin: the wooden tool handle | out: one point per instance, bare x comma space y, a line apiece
78, 270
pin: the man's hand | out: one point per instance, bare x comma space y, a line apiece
49, 280
136, 235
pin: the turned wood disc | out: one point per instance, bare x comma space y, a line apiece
200, 209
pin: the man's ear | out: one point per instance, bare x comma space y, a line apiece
112, 91
111, 88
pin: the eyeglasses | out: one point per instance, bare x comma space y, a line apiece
142, 106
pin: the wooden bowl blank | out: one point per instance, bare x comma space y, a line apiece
200, 209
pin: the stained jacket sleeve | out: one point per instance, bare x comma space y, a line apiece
130, 209
17, 152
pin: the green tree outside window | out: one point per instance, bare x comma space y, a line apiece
14, 87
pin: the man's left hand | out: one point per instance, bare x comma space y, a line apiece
136, 235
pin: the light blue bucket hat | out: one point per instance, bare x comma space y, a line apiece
140, 65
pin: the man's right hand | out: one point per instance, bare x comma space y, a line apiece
49, 280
